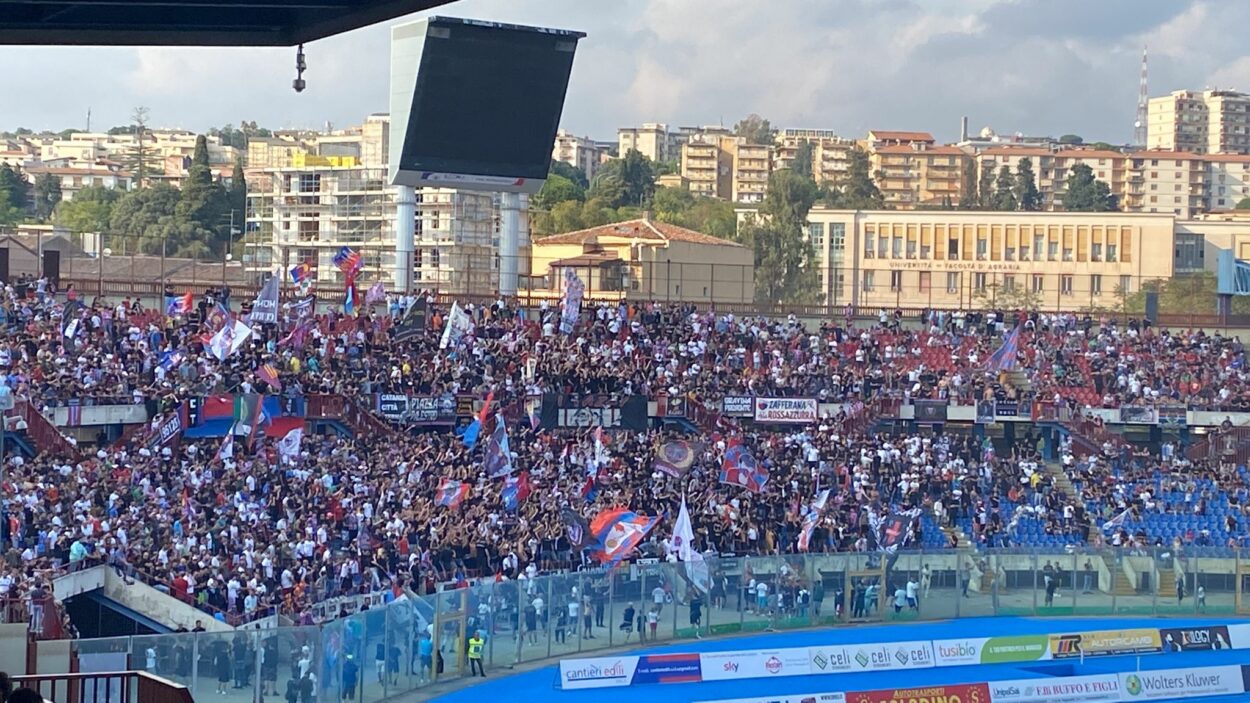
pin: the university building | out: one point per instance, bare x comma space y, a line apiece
1056, 260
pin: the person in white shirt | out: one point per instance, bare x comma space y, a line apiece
912, 590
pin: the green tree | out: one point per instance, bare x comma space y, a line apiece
204, 203
89, 211
570, 172
238, 191
14, 190
627, 181
139, 159
1244, 204
968, 186
1007, 297
1028, 197
1071, 139
671, 204
802, 164
785, 262
137, 213
985, 188
47, 193
557, 189
755, 129
1189, 293
1104, 146
1086, 193
858, 191
1004, 198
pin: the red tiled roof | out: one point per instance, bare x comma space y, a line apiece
66, 171
1017, 151
649, 230
895, 149
1227, 157
900, 136
1165, 154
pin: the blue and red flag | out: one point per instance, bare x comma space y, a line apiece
348, 261
1004, 359
301, 272
515, 490
617, 532
474, 430
451, 493
741, 469
179, 304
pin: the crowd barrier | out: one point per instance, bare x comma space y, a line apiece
605, 672
1163, 684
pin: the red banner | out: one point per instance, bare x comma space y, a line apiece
960, 693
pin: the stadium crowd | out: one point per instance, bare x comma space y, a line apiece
262, 529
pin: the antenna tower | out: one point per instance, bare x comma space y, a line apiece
1143, 97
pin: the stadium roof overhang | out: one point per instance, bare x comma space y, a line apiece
192, 22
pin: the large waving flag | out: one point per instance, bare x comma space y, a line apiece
515, 490
248, 415
269, 374
176, 305
619, 531
741, 469
289, 445
1004, 359
229, 339
226, 450
375, 294
576, 529
812, 519
498, 457
675, 457
455, 327
683, 541
348, 261
474, 430
451, 493
301, 272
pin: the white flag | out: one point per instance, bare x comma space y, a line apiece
226, 451
288, 446
457, 325
683, 539
229, 339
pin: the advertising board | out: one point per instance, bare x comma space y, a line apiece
1102, 644
1170, 684
1102, 688
719, 666
738, 405
790, 698
1195, 639
607, 672
786, 410
955, 693
882, 656
991, 650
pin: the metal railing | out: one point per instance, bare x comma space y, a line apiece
416, 640
105, 687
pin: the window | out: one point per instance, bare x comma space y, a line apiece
952, 282
309, 182
1096, 252
1065, 284
1038, 241
1039, 283
978, 281
896, 250
1009, 282
952, 248
868, 247
816, 233
1052, 251
868, 281
434, 258
883, 244
982, 249
925, 281
837, 236
926, 251
1095, 284
911, 249
1009, 254
1111, 253
896, 281
1067, 253
1126, 285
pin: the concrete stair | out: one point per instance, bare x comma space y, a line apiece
960, 536
1123, 586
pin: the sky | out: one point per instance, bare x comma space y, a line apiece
1039, 67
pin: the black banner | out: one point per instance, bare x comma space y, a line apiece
578, 411
931, 410
1195, 639
417, 409
577, 529
413, 323
170, 430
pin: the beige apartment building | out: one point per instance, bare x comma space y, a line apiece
918, 173
718, 164
1200, 122
652, 140
830, 153
1052, 167
580, 152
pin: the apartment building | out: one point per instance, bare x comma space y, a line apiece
1052, 167
1227, 180
915, 173
1200, 122
307, 213
830, 153
579, 152
75, 178
1165, 182
652, 140
717, 164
